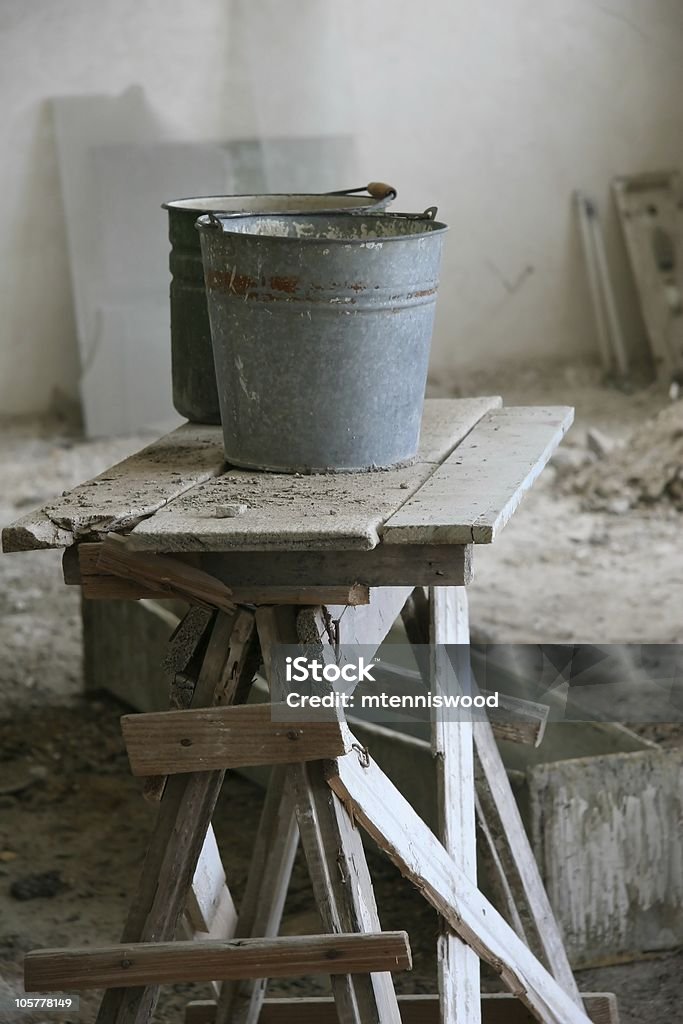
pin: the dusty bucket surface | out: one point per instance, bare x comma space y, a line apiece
321, 327
195, 395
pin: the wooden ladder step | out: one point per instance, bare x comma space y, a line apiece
161, 963
495, 1009
209, 739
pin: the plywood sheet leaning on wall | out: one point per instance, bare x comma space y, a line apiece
650, 208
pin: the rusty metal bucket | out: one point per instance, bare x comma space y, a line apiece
321, 327
194, 380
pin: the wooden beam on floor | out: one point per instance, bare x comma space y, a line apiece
601, 1008
162, 963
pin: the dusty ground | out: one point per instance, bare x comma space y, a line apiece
70, 812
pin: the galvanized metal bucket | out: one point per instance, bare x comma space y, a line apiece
195, 395
321, 328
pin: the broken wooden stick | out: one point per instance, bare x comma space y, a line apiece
163, 574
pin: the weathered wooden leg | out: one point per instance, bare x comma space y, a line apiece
264, 896
518, 861
210, 912
332, 845
333, 848
343, 891
276, 843
184, 816
458, 964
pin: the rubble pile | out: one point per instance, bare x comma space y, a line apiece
644, 470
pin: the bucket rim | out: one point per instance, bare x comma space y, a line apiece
431, 227
338, 203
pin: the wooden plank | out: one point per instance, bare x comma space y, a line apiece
440, 565
383, 566
496, 1008
81, 567
286, 512
457, 963
586, 211
124, 495
107, 588
649, 208
207, 739
163, 963
473, 494
520, 856
398, 830
184, 816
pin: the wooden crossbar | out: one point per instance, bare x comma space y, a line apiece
250, 571
161, 963
496, 1008
81, 567
206, 739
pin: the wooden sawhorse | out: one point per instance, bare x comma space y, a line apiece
333, 560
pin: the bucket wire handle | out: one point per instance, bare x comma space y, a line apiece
377, 189
428, 214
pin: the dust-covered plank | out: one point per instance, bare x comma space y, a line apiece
246, 510
476, 490
124, 495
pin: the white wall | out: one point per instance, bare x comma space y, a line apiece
181, 54
495, 112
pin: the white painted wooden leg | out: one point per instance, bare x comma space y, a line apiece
519, 862
458, 965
